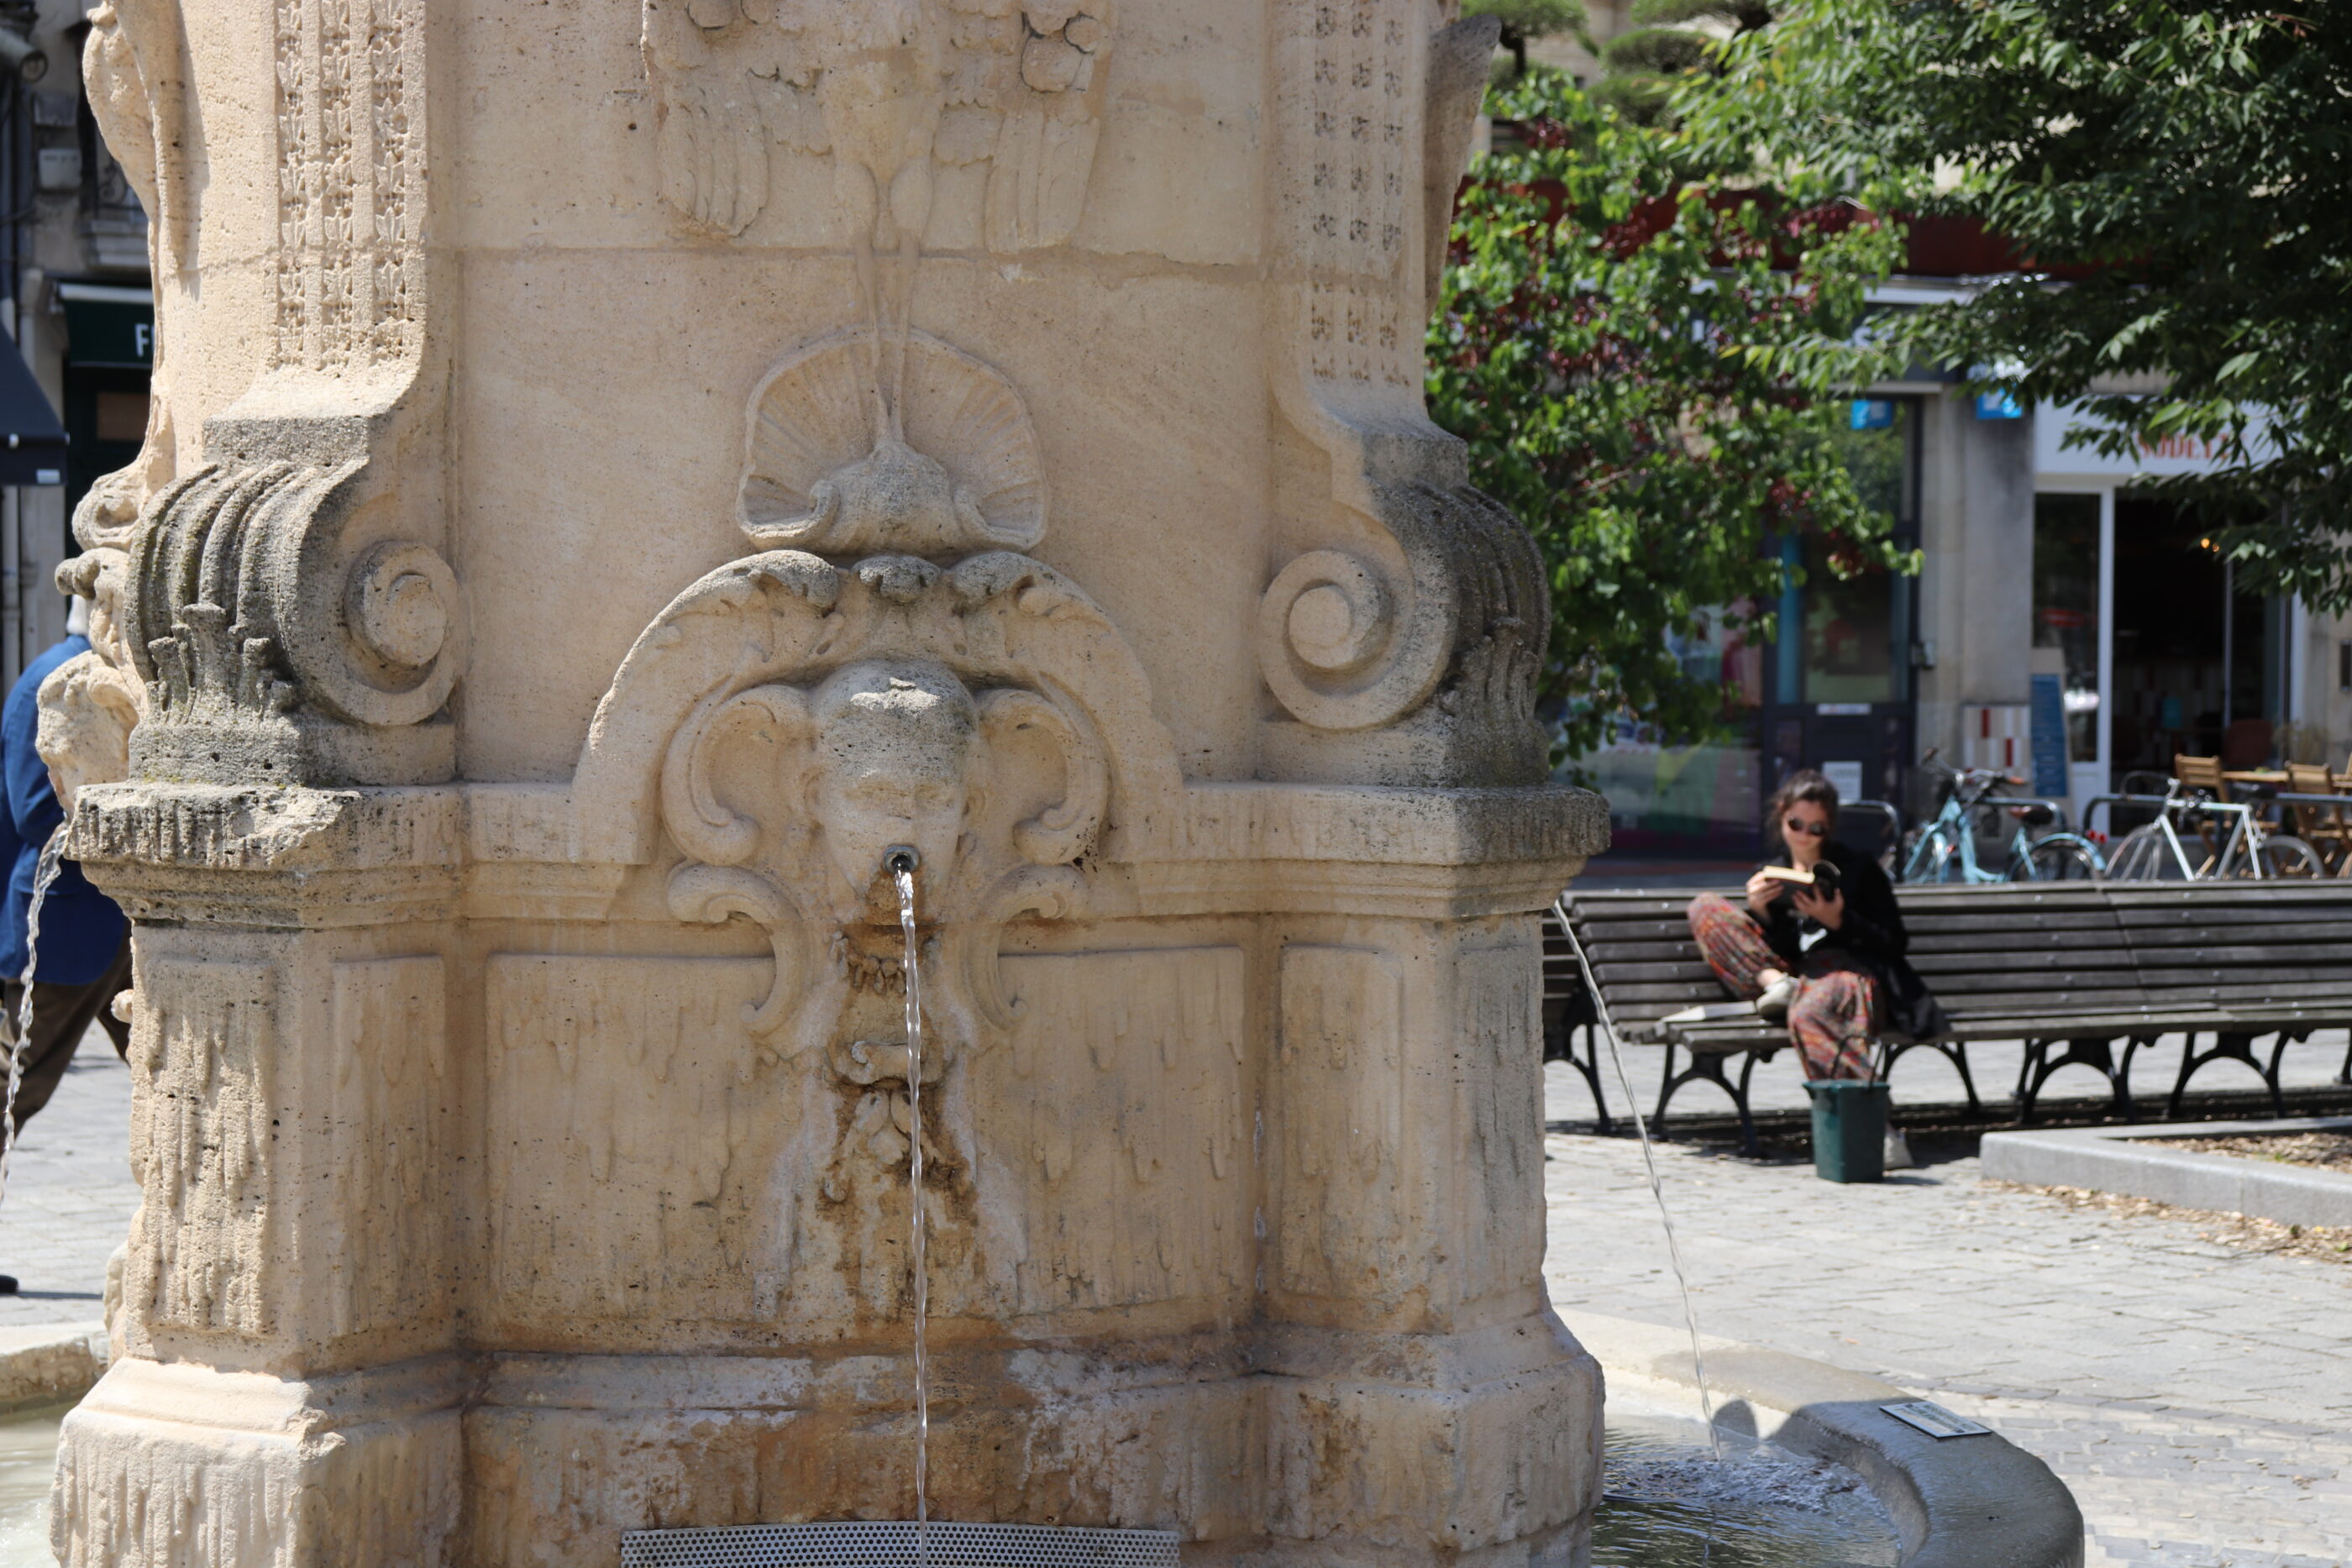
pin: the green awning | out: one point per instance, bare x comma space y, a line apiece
107, 324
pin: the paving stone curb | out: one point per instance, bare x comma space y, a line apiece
1962, 1502
2117, 1160
49, 1364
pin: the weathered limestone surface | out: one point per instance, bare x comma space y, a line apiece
619, 470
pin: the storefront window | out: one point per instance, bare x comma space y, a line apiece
1686, 799
2066, 608
1850, 634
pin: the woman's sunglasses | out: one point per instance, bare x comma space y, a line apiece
1811, 829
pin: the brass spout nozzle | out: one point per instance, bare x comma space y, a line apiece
901, 858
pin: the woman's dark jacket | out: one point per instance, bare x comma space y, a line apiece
1871, 933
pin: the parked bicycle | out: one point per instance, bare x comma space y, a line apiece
1944, 849
2246, 847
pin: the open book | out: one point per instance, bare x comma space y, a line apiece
1823, 879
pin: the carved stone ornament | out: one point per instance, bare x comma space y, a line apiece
891, 95
815, 478
92, 703
284, 604
791, 719
268, 643
1406, 639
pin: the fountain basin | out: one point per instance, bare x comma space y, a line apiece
1963, 1502
49, 1364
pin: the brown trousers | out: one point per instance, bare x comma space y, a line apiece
61, 1015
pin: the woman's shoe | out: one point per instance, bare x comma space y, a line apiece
1773, 1004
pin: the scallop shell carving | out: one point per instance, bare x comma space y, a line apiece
812, 421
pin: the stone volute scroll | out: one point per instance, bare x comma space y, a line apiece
1403, 637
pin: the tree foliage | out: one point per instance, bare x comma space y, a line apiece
1670, 43
2178, 177
1651, 394
1524, 20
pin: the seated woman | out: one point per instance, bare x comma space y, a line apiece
1828, 957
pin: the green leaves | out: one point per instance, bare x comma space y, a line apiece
1647, 366
2178, 175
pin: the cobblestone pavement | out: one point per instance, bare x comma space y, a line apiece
2197, 1399
70, 1194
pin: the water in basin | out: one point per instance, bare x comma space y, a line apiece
1668, 1504
28, 1455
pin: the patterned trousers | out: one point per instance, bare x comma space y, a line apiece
1831, 1018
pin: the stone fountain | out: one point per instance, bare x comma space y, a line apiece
622, 469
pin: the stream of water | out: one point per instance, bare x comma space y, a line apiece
902, 872
1649, 1163
52, 857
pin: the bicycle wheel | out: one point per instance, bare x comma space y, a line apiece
1934, 858
2143, 855
2288, 858
2061, 857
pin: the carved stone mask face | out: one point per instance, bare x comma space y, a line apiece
894, 751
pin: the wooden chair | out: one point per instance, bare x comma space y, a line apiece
2204, 773
2325, 828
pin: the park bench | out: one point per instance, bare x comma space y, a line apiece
2271, 959
2085, 975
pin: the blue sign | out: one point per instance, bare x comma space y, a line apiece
1872, 413
1999, 406
2049, 714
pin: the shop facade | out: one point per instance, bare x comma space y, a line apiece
2070, 624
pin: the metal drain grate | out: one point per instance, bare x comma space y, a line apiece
857, 1544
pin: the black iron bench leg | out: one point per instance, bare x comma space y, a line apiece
2032, 1073
2096, 1054
1747, 1145
1668, 1081
1954, 1052
2226, 1048
1589, 1065
2270, 1074
2132, 1047
1706, 1067
2035, 1051
2344, 1074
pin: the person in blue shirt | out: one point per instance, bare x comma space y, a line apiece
85, 942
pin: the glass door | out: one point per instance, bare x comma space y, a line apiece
2071, 590
1841, 696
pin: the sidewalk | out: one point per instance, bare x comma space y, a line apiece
70, 1194
2197, 1399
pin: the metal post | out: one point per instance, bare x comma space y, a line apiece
2229, 644
2105, 723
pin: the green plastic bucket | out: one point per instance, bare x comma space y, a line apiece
1849, 1129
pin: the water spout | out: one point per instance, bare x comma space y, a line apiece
902, 861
